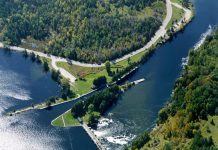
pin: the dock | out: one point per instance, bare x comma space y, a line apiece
93, 137
139, 81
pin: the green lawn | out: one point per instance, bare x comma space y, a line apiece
79, 71
87, 73
177, 15
90, 73
68, 120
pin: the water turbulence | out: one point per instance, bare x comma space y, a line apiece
199, 43
203, 37
21, 83
111, 131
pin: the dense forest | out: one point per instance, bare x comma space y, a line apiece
190, 119
84, 30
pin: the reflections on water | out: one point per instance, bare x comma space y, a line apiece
137, 111
22, 83
17, 92
18, 132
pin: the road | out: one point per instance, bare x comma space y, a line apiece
160, 33
54, 61
186, 17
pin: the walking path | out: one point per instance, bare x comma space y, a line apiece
63, 120
160, 33
186, 17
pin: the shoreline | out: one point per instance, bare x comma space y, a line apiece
56, 58
161, 32
188, 15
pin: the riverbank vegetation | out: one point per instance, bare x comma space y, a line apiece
86, 75
176, 16
66, 91
96, 105
88, 31
189, 120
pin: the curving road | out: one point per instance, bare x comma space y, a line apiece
54, 61
186, 17
160, 33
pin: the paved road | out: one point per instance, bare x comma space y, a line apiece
160, 33
157, 35
54, 61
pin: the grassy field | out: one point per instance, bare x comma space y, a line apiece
84, 85
177, 15
88, 74
65, 120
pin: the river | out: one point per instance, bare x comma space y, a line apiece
24, 83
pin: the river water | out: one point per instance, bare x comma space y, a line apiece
23, 83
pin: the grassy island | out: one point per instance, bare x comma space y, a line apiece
89, 110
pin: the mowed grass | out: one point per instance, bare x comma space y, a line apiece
125, 63
78, 71
68, 120
177, 15
88, 74
82, 86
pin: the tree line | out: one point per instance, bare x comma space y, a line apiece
99, 102
88, 31
195, 96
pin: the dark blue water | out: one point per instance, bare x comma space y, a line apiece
24, 83
138, 109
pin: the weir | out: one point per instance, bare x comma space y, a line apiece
93, 137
